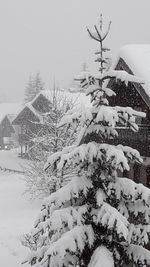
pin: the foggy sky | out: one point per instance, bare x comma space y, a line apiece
50, 37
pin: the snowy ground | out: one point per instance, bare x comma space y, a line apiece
17, 214
9, 159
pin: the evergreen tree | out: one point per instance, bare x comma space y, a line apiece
33, 87
98, 219
29, 90
38, 83
99, 36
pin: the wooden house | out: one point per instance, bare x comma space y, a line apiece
135, 59
30, 118
8, 133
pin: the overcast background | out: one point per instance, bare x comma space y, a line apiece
50, 37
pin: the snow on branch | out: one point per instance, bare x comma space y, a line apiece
101, 257
35, 256
140, 209
139, 234
67, 217
56, 156
130, 153
94, 152
71, 216
103, 131
100, 197
69, 191
122, 115
119, 75
130, 191
109, 92
95, 87
130, 111
87, 78
71, 241
108, 115
127, 116
110, 218
78, 115
103, 120
138, 255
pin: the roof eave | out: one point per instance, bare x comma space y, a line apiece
122, 64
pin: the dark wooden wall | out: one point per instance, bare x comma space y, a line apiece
6, 129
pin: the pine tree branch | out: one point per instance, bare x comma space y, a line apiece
98, 33
107, 31
92, 36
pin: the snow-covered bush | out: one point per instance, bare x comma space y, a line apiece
98, 219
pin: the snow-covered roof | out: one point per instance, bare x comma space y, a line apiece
137, 57
62, 95
10, 109
75, 98
33, 110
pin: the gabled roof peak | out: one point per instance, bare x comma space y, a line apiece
10, 109
137, 57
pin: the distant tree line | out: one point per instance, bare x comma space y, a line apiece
33, 87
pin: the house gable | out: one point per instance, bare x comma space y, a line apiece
26, 116
42, 104
6, 127
132, 95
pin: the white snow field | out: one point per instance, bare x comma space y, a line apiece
17, 215
9, 159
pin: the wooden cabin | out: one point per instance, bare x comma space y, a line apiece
135, 59
8, 133
30, 118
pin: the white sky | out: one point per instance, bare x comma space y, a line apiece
49, 36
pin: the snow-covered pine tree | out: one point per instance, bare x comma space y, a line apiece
98, 219
33, 87
29, 90
98, 36
38, 83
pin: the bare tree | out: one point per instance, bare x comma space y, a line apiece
51, 138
